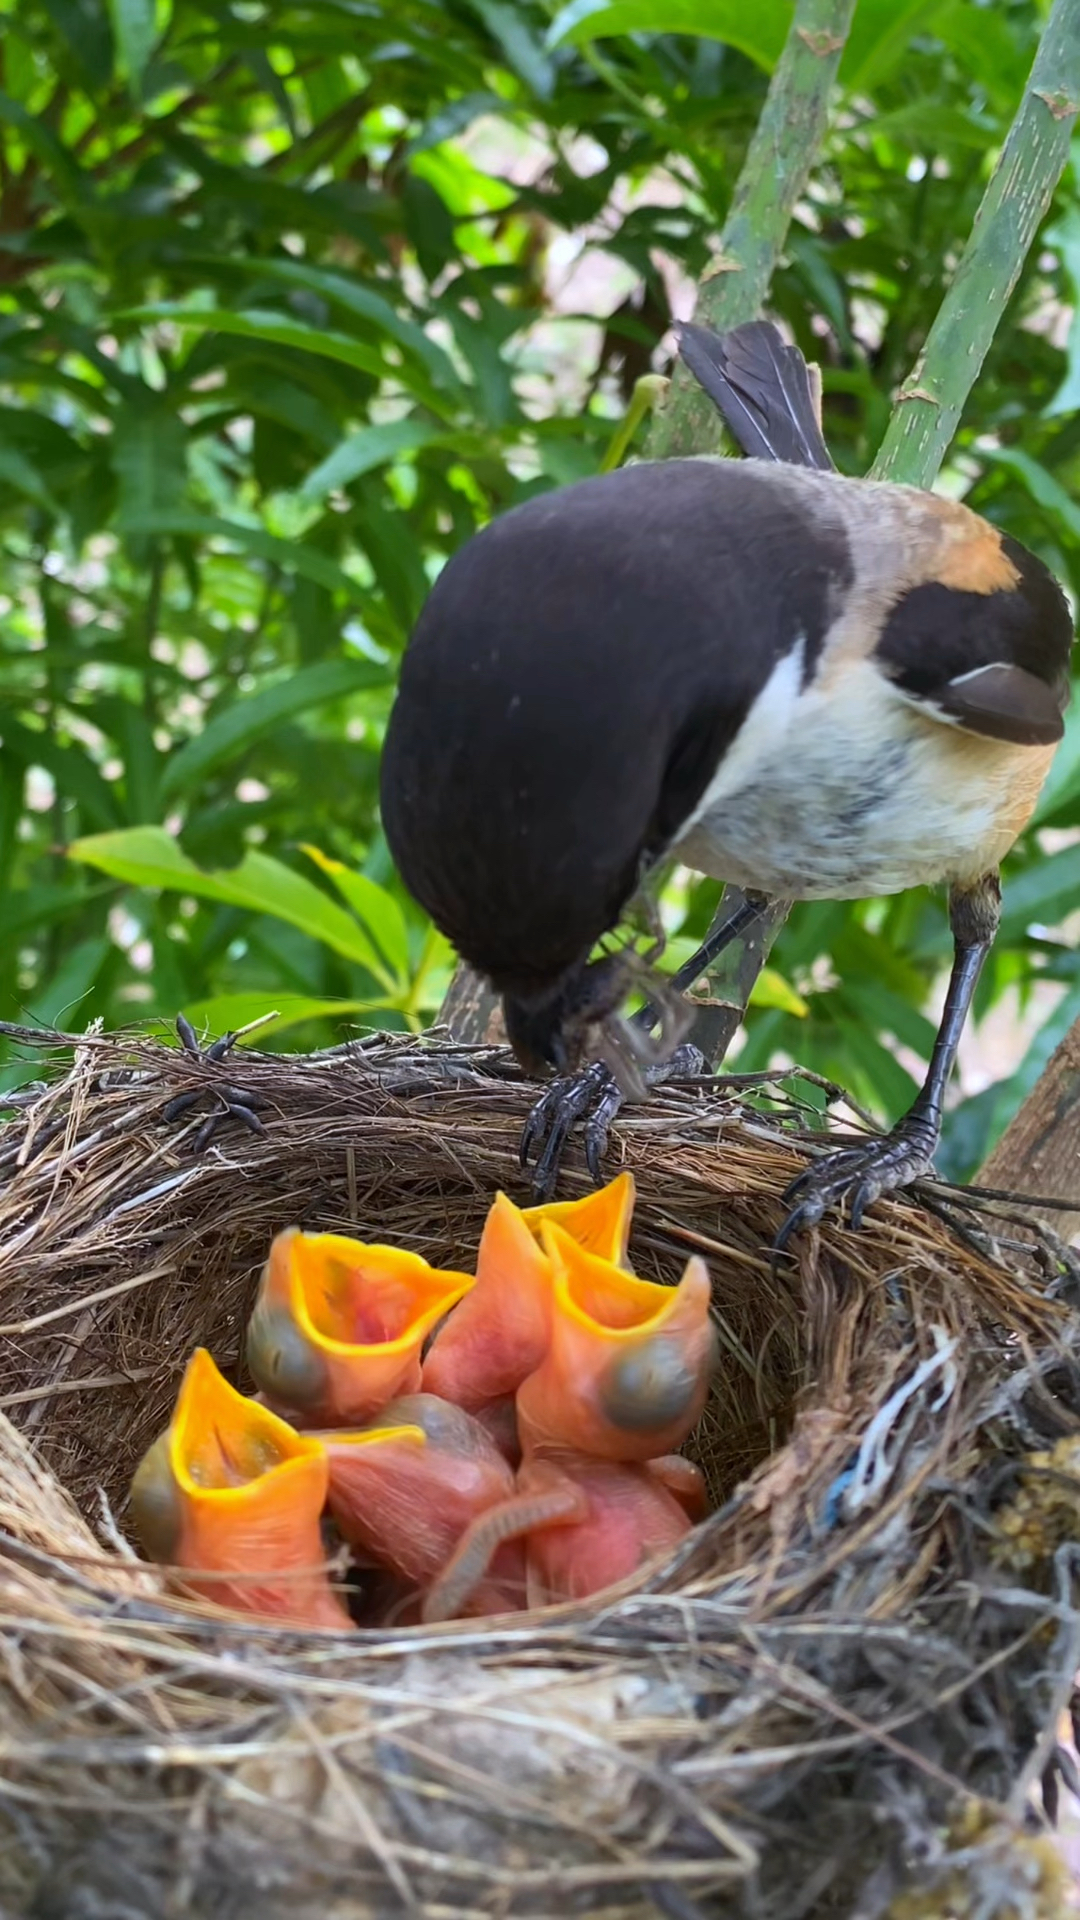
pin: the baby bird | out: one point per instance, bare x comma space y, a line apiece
230, 1498
338, 1326
627, 1368
586, 1524
405, 1489
499, 1333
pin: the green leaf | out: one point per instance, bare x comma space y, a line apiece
225, 1012
1063, 782
366, 305
759, 31
523, 51
134, 24
367, 449
373, 906
134, 736
72, 768
26, 910
231, 732
148, 447
881, 33
87, 33
292, 556
1065, 236
888, 1012
279, 330
772, 990
892, 1087
64, 175
59, 1001
258, 325
986, 47
19, 472
976, 1125
1045, 892
1043, 488
150, 857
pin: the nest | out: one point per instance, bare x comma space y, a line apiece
840, 1696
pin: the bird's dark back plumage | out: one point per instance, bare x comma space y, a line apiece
577, 673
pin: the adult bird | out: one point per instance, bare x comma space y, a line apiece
812, 686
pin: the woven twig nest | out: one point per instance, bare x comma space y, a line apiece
839, 1697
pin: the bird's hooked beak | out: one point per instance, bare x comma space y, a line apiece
579, 1021
231, 1492
628, 1365
338, 1325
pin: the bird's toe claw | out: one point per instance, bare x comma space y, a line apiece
857, 1176
597, 1130
227, 1101
591, 1096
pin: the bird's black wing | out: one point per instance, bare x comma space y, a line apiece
763, 389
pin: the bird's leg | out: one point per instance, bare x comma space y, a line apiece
592, 1095
858, 1175
239, 1103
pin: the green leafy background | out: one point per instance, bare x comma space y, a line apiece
292, 299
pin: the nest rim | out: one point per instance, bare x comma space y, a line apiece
752, 1559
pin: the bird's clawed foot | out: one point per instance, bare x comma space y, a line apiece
859, 1175
590, 1098
227, 1102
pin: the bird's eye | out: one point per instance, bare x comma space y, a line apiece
649, 1387
283, 1360
155, 1503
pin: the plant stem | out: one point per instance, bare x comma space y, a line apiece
785, 144
775, 172
931, 400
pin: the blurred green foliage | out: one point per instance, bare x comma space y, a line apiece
292, 299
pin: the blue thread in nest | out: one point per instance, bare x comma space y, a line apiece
836, 1494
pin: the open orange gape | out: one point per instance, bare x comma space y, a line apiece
525, 1458
231, 1498
338, 1327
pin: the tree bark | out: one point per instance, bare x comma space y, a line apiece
1039, 1152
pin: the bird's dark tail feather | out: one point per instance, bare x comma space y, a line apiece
762, 387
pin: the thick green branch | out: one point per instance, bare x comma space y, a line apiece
775, 172
781, 154
931, 401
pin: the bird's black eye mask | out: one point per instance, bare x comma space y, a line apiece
580, 1021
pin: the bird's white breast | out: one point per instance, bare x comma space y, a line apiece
844, 789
